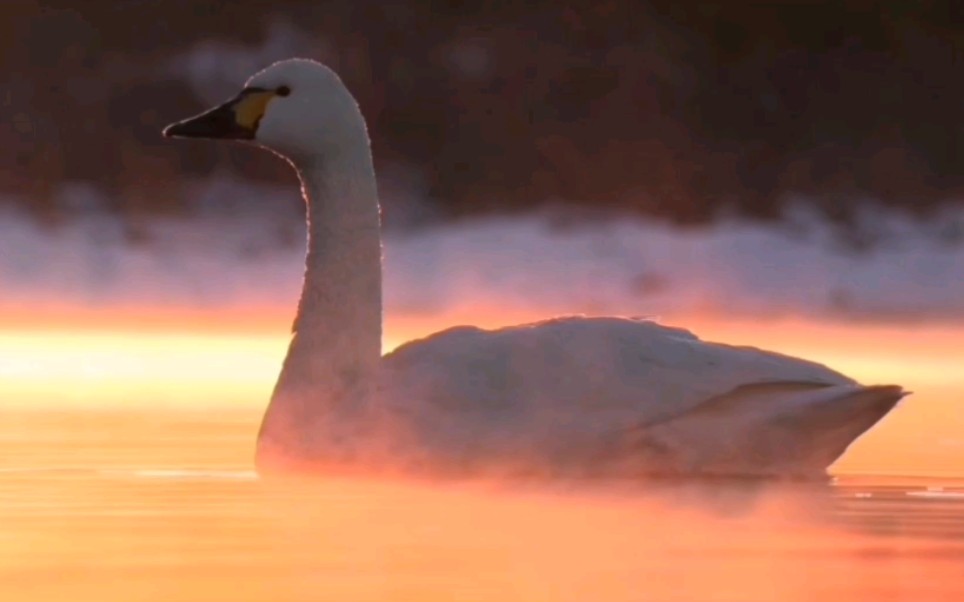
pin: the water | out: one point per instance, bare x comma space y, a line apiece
137, 505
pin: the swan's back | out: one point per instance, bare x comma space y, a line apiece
568, 381
593, 364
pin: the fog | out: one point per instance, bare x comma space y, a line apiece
242, 246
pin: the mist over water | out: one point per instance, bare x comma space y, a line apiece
244, 246
156, 500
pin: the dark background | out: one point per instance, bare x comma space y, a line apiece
674, 109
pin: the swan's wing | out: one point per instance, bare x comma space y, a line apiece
571, 378
762, 429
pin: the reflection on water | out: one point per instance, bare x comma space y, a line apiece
163, 506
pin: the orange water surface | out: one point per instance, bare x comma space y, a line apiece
125, 475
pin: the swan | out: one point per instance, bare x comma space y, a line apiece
567, 396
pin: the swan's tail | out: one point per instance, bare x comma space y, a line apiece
772, 429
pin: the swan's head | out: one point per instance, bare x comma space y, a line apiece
298, 108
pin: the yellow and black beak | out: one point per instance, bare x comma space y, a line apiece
236, 119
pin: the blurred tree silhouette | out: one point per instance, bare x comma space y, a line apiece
677, 109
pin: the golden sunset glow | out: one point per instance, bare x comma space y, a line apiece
194, 360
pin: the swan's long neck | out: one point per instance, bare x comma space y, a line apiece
340, 311
334, 354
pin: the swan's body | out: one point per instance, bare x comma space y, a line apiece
573, 396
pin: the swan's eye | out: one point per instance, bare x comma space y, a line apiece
283, 91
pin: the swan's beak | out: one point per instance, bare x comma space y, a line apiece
236, 119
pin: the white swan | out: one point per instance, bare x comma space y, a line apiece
567, 396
